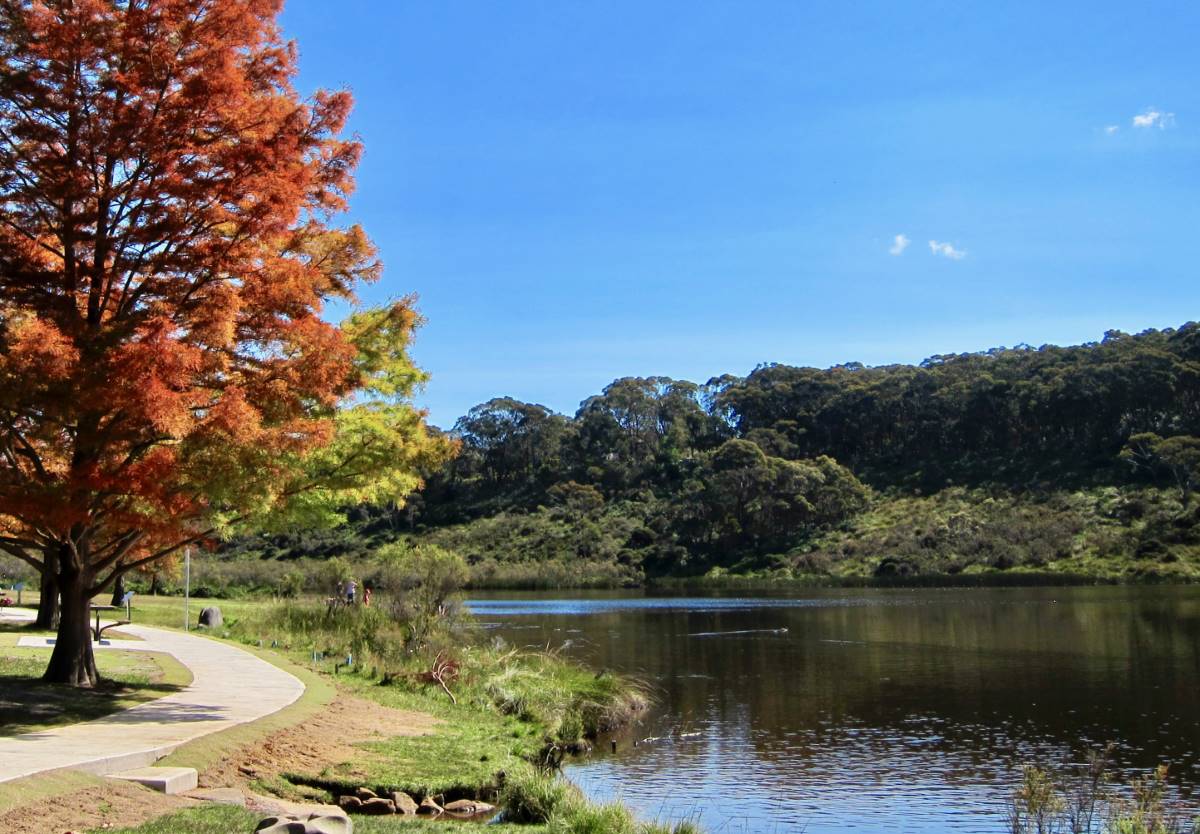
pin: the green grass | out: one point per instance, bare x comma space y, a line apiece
167, 612
222, 819
129, 678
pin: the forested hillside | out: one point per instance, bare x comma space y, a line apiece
1069, 459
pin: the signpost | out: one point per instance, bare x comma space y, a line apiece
187, 586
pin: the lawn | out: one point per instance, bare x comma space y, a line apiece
27, 704
166, 611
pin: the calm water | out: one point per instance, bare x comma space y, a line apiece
876, 710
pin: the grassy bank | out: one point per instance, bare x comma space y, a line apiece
497, 707
499, 715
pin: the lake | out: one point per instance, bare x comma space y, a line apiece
874, 710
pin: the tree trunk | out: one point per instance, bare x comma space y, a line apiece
47, 616
72, 661
118, 597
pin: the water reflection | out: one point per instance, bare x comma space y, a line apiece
877, 711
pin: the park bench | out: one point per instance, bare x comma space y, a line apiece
97, 630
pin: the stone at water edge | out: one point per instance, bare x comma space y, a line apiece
379, 806
429, 808
210, 617
365, 793
468, 807
404, 803
311, 824
349, 803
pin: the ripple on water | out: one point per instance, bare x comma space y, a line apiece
900, 711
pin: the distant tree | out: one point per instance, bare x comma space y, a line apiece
514, 441
577, 498
743, 500
1179, 455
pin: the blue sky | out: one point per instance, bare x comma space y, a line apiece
583, 191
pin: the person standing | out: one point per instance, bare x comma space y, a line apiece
351, 591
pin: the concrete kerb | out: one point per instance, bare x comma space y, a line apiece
230, 687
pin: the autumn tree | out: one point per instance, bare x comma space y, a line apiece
168, 243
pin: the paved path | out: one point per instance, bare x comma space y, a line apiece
229, 687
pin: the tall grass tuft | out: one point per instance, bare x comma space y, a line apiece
533, 796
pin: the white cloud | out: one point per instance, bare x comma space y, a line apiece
1154, 118
947, 250
899, 244
1111, 129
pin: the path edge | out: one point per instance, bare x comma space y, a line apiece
201, 753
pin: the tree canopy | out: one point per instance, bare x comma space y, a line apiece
732, 470
168, 244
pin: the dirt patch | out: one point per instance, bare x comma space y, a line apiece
114, 805
323, 740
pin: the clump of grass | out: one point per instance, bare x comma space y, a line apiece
533, 796
574, 702
610, 818
683, 827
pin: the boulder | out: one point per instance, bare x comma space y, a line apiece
210, 616
468, 807
310, 824
349, 803
429, 808
378, 806
365, 793
404, 803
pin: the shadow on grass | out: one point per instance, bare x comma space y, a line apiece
22, 627
28, 704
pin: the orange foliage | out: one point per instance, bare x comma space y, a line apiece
167, 244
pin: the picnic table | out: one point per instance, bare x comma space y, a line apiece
98, 630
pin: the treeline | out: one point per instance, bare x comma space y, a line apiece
782, 467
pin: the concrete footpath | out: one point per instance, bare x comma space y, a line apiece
230, 686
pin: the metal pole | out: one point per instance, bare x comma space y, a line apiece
187, 586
